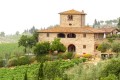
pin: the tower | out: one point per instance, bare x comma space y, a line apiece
72, 18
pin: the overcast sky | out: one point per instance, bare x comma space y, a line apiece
17, 15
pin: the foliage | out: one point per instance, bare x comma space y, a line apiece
12, 62
40, 72
2, 34
35, 36
52, 67
61, 56
10, 49
69, 55
116, 48
109, 77
23, 41
23, 60
118, 25
87, 55
112, 67
103, 47
57, 46
42, 48
32, 59
25, 77
26, 41
110, 40
1, 63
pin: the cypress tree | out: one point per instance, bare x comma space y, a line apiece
25, 76
40, 72
118, 25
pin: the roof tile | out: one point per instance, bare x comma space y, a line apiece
71, 30
72, 12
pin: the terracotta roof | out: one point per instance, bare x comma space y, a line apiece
71, 30
72, 12
108, 30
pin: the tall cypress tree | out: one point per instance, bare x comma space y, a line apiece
118, 25
40, 72
25, 76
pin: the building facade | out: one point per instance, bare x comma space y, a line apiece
73, 33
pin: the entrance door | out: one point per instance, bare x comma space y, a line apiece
71, 48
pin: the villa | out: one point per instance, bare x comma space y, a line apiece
74, 34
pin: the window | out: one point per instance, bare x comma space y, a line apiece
84, 46
70, 24
48, 35
71, 35
84, 35
61, 35
70, 17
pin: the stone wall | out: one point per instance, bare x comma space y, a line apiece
79, 41
78, 21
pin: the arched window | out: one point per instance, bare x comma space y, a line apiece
71, 35
61, 35
71, 48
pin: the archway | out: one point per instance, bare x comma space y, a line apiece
71, 48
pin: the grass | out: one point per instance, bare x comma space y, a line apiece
10, 49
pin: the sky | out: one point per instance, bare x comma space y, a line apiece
18, 15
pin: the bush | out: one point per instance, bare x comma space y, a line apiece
109, 77
1, 63
42, 48
111, 67
32, 59
103, 47
69, 55
61, 56
43, 58
57, 46
84, 59
53, 70
87, 56
13, 62
77, 55
23, 60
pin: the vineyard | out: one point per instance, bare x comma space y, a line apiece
10, 49
18, 72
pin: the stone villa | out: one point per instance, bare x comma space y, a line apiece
74, 34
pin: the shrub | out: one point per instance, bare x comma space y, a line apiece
69, 55
23, 60
84, 59
111, 67
13, 62
43, 58
1, 63
77, 55
87, 55
116, 48
42, 48
32, 59
61, 56
57, 46
53, 70
104, 47
109, 77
